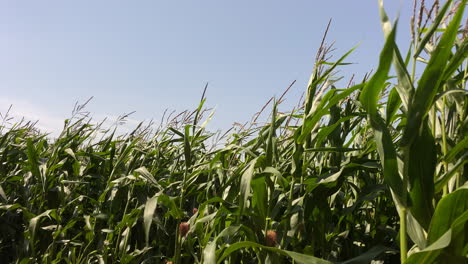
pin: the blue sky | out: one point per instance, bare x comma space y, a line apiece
148, 56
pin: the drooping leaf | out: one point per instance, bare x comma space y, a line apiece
33, 225
415, 231
298, 257
368, 256
430, 254
245, 184
148, 176
209, 253
148, 214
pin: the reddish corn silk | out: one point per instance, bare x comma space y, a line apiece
270, 238
184, 228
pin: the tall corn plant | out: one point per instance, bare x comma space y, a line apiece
315, 185
416, 167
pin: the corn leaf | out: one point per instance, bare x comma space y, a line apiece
431, 79
148, 214
298, 257
369, 98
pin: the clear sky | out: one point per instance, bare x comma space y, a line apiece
150, 55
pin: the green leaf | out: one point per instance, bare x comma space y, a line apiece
415, 231
33, 225
461, 145
209, 253
245, 184
298, 257
148, 214
148, 176
316, 79
448, 209
388, 157
393, 103
369, 98
33, 159
422, 159
281, 180
187, 148
330, 99
332, 68
259, 197
431, 79
444, 179
405, 86
177, 132
429, 254
449, 246
70, 152
456, 60
200, 108
173, 208
371, 91
368, 256
450, 91
2, 194
270, 146
324, 132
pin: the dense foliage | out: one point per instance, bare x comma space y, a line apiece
371, 171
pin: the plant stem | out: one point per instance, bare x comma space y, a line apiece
403, 208
177, 245
403, 243
178, 237
129, 195
444, 142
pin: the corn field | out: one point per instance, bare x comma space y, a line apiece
375, 170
